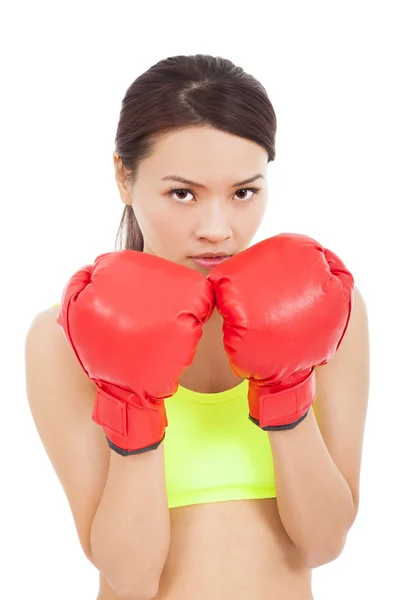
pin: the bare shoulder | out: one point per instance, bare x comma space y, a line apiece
47, 345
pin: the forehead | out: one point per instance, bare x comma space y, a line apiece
207, 155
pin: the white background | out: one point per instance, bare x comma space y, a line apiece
331, 72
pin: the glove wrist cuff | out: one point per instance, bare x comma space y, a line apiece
284, 409
130, 429
124, 452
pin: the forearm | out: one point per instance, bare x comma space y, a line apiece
130, 534
314, 500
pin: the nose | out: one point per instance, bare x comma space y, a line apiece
214, 223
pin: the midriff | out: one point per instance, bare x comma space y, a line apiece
230, 551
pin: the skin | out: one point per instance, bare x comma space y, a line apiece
250, 534
179, 226
213, 219
232, 549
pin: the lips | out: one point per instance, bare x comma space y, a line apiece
209, 262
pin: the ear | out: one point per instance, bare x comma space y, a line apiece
124, 189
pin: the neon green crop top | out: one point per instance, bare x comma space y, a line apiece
212, 451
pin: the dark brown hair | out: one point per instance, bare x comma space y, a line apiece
184, 91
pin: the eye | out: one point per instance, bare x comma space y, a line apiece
254, 190
175, 190
254, 193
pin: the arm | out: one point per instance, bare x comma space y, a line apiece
317, 464
130, 534
314, 501
289, 327
61, 399
133, 343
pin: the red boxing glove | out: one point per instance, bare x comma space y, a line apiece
286, 304
134, 321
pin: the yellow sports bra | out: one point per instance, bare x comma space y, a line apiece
212, 451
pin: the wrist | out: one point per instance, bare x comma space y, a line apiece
283, 409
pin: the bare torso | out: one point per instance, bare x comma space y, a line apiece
236, 550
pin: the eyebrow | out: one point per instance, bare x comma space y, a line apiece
200, 185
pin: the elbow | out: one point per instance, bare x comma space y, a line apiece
322, 556
133, 591
125, 585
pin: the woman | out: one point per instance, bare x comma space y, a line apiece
205, 417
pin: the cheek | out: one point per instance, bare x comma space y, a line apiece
249, 226
260, 212
161, 228
166, 223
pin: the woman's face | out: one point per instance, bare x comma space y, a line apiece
214, 216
